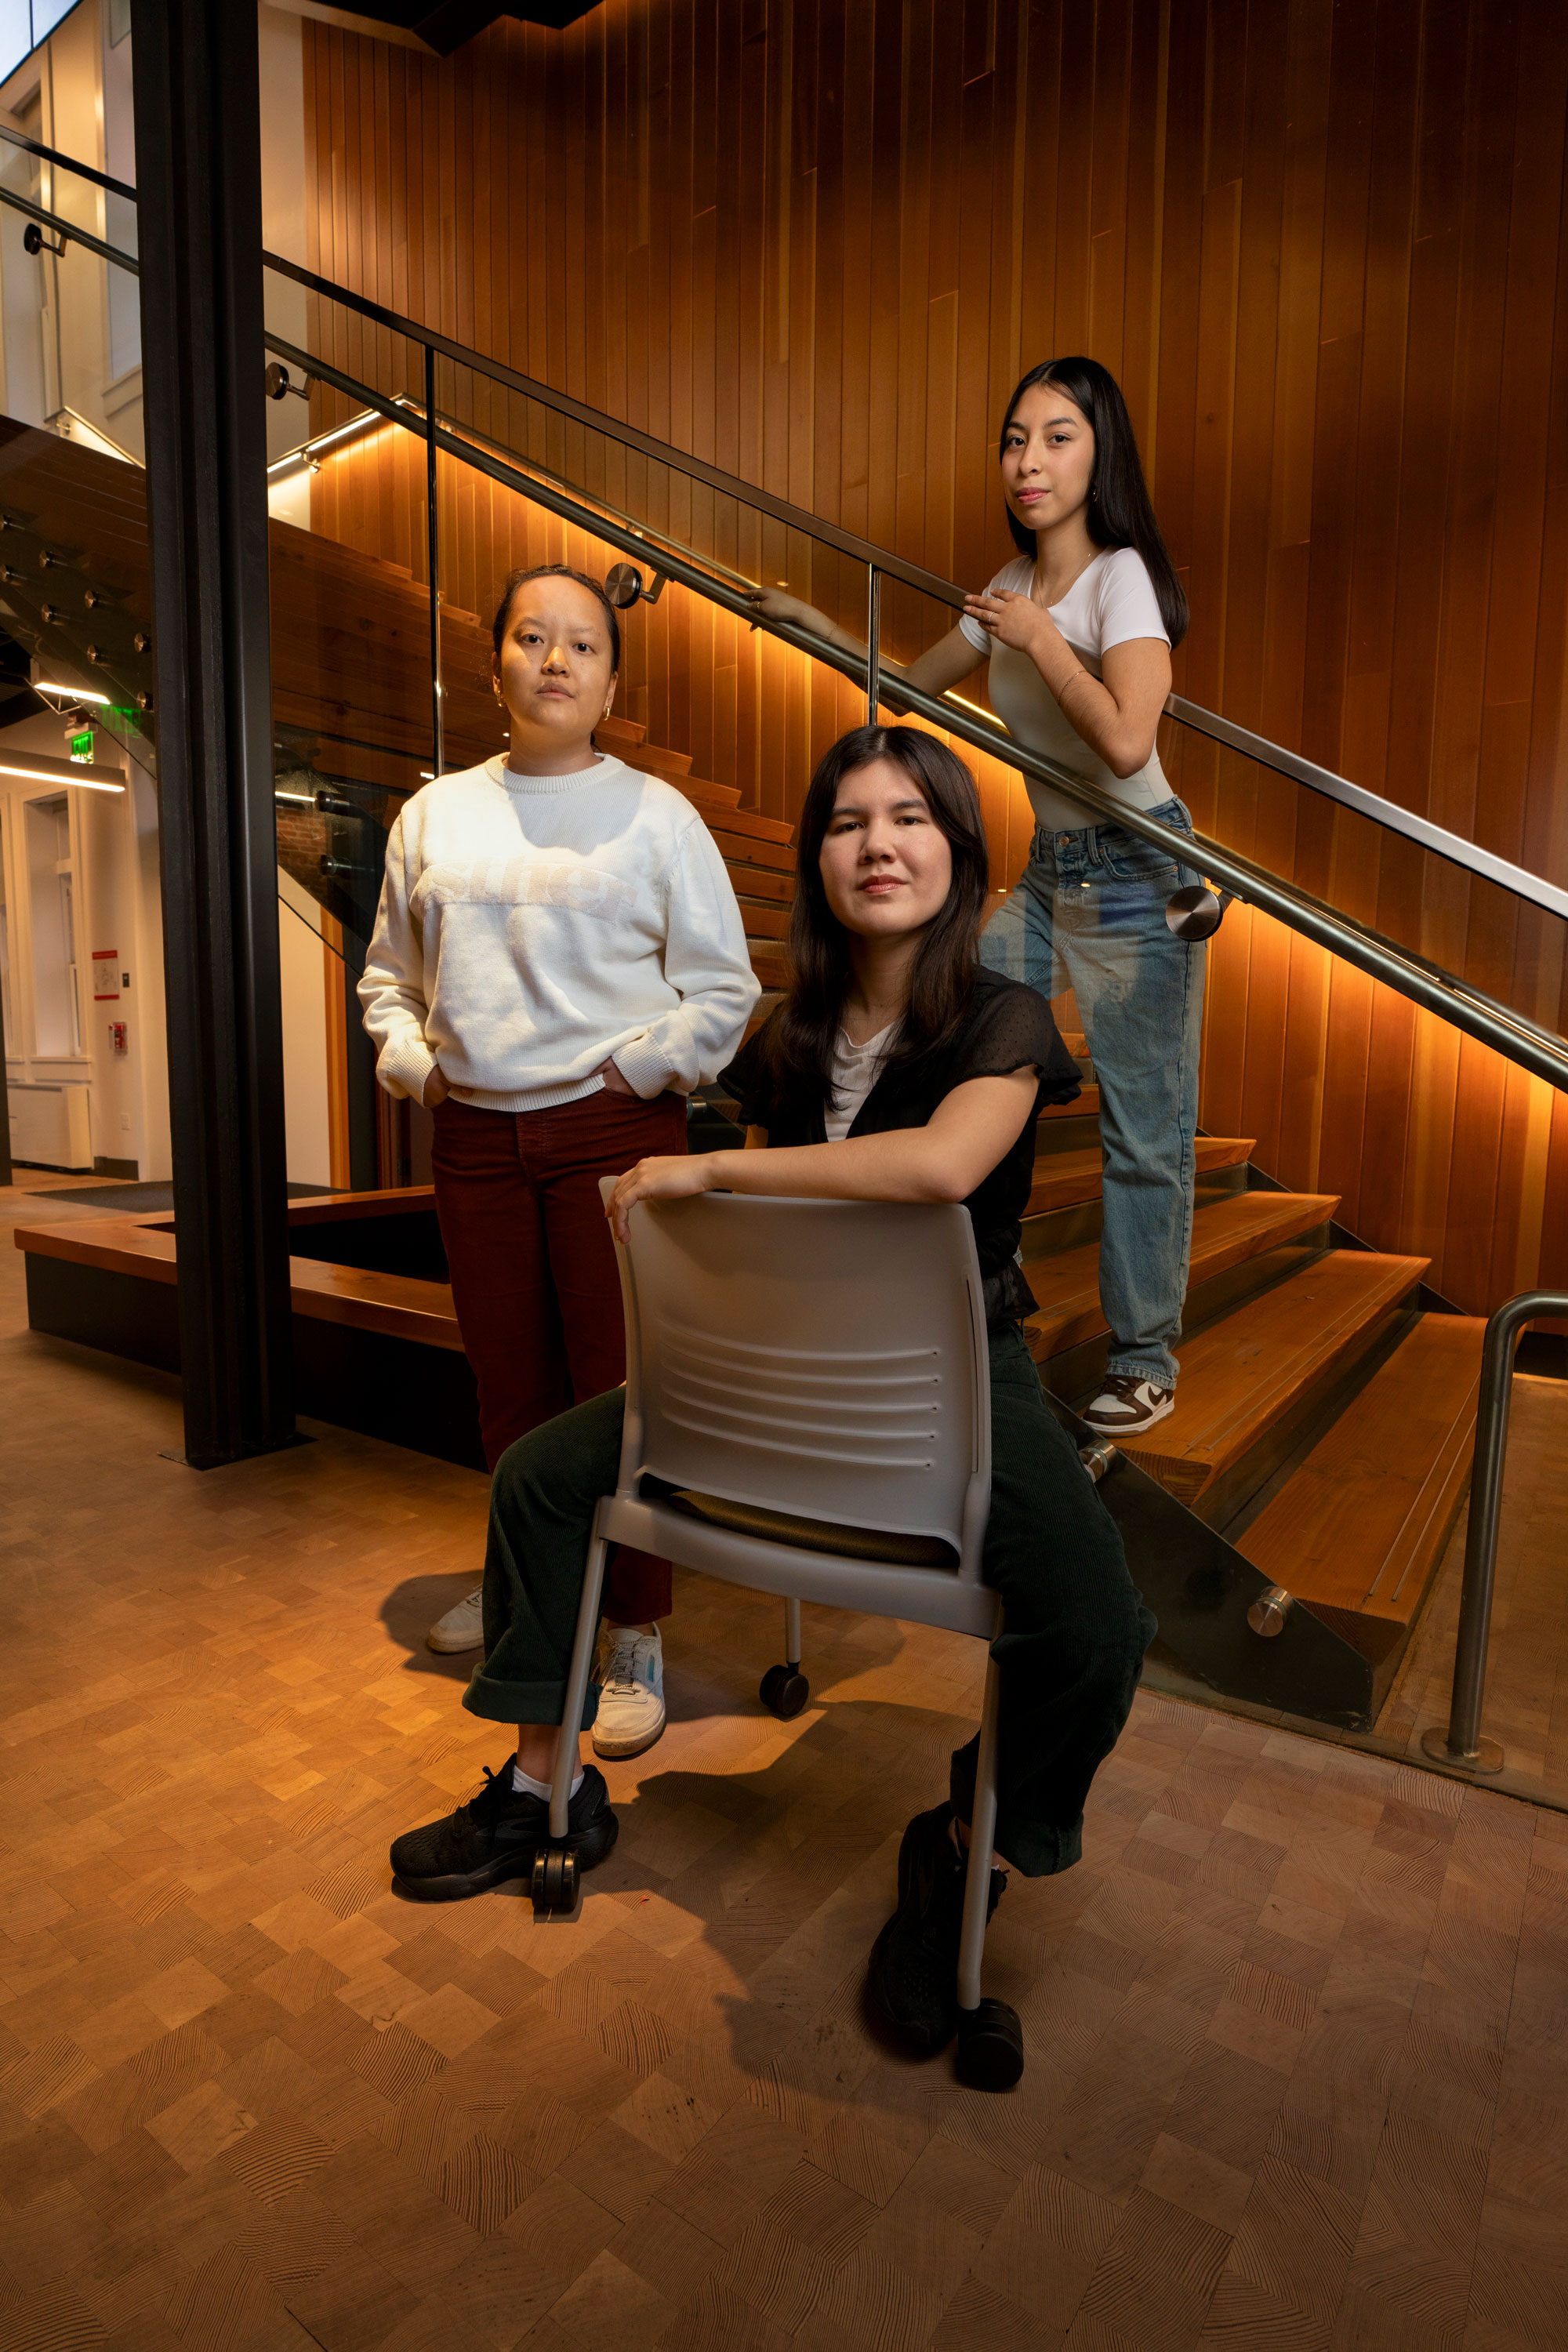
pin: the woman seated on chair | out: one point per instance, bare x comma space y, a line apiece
896, 1068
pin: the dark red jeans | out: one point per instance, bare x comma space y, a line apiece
535, 1280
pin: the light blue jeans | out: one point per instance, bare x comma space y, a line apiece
1089, 913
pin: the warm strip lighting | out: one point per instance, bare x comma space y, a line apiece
72, 693
305, 456
63, 771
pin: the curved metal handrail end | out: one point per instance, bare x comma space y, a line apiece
1462, 1744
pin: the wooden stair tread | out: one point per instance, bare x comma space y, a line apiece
1241, 1374
1241, 1225
657, 760
1063, 1179
757, 882
1087, 1106
706, 797
1361, 1524
765, 922
741, 849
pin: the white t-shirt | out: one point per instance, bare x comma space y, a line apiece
1112, 601
856, 1069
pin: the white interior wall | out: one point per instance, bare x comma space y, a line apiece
149, 1032
108, 883
303, 975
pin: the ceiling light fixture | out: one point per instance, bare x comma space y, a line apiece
71, 694
37, 768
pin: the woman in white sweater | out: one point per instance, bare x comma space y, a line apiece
558, 962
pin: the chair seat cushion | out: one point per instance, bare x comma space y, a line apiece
814, 1535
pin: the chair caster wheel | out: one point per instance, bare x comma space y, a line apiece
555, 1889
785, 1690
990, 2046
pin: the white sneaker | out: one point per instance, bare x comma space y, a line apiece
1127, 1405
463, 1626
631, 1700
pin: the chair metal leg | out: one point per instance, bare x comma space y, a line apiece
990, 2034
784, 1688
982, 1834
566, 1750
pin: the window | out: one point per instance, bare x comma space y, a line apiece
24, 25
16, 34
47, 15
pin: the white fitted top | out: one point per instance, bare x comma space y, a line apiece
1111, 601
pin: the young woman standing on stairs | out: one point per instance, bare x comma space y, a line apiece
1077, 631
558, 962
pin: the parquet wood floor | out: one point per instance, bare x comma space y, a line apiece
1298, 2075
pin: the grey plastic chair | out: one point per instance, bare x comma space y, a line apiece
808, 1412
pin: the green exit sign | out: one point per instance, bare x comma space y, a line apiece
82, 745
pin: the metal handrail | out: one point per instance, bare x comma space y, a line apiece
681, 461
1462, 1742
1470, 856
1465, 854
68, 230
67, 163
1510, 1033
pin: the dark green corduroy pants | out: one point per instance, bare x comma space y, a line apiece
1074, 1634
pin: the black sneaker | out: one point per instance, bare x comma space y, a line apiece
913, 1968
496, 1835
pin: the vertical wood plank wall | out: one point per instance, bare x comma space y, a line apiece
815, 242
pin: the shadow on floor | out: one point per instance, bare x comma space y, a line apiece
699, 1673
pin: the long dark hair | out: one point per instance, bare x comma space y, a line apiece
801, 1036
1120, 512
516, 580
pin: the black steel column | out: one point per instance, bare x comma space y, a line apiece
199, 181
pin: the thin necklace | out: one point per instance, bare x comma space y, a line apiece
1036, 582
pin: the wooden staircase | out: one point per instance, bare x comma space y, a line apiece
1324, 1421
1321, 1442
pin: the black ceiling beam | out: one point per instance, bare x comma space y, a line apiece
451, 22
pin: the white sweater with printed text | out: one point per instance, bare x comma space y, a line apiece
533, 926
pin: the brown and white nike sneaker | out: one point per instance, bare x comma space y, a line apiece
1127, 1405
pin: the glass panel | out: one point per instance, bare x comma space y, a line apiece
353, 702
70, 320
748, 717
1473, 929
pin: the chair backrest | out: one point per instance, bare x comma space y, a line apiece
822, 1358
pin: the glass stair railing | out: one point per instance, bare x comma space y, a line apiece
1290, 1517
